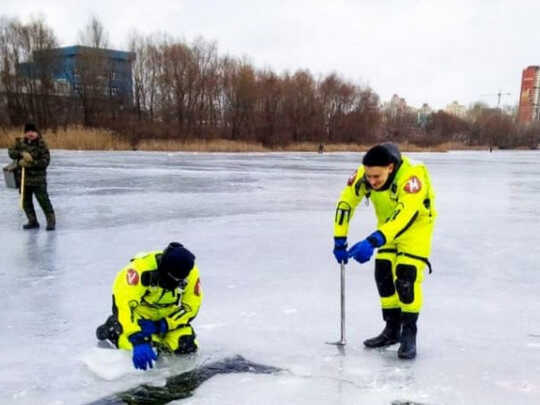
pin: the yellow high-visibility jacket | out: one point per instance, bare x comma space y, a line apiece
137, 295
406, 205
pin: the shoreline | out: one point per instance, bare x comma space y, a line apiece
104, 140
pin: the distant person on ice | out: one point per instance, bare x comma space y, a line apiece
155, 298
401, 193
32, 154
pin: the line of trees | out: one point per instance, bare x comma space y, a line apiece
189, 91
480, 126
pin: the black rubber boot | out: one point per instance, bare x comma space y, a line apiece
186, 345
390, 334
32, 222
51, 222
110, 330
407, 349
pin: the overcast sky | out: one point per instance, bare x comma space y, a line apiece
423, 50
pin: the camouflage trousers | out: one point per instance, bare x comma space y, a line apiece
40, 191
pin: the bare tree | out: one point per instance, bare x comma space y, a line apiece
240, 95
94, 34
204, 92
443, 127
269, 125
303, 110
28, 86
138, 45
363, 123
337, 100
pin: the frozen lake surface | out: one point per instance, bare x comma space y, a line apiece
261, 228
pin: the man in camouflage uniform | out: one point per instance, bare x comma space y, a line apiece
32, 154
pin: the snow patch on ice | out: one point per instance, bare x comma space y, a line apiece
210, 326
520, 386
248, 314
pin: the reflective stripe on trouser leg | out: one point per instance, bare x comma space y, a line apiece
384, 278
170, 341
139, 312
409, 277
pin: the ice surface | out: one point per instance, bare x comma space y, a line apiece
261, 228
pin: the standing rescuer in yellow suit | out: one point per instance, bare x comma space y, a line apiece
155, 298
401, 193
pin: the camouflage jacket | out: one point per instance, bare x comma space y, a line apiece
36, 171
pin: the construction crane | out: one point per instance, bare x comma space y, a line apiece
499, 95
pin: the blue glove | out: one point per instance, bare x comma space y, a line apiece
149, 327
340, 249
143, 356
362, 251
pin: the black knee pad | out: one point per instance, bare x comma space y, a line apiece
186, 344
383, 278
406, 276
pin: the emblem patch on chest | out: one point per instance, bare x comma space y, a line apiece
132, 277
413, 185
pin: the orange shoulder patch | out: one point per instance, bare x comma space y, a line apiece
413, 185
132, 277
197, 289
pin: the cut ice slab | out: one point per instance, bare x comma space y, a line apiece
108, 364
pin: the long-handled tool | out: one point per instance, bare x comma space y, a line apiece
342, 342
22, 189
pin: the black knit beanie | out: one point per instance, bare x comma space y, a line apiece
382, 155
30, 127
176, 261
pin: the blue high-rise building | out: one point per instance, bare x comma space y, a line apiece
75, 68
